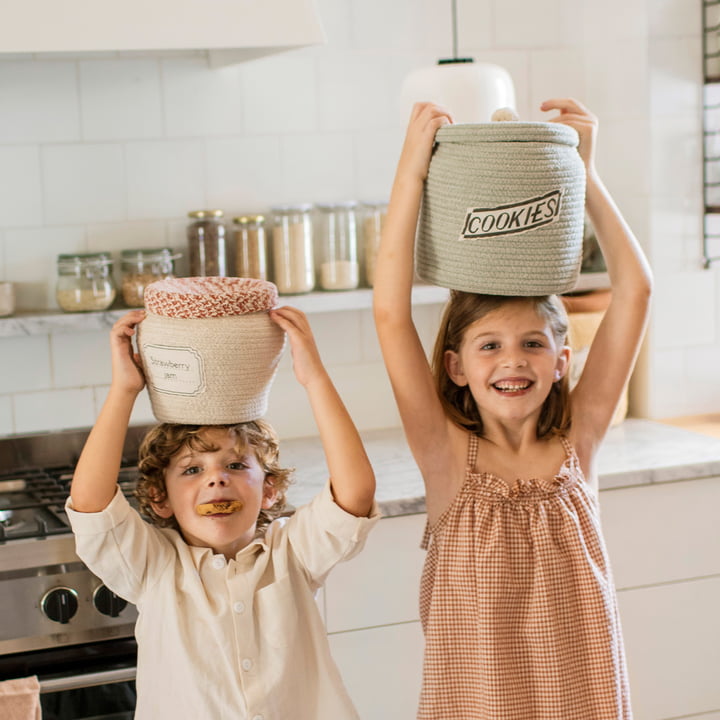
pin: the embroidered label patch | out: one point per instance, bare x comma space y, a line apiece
511, 219
174, 370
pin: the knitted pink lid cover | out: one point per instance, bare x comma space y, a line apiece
207, 297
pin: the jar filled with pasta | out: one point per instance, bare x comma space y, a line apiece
251, 259
140, 268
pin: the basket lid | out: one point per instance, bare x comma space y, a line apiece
207, 297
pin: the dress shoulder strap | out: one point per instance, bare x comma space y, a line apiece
472, 451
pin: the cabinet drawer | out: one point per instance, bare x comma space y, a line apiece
381, 585
662, 533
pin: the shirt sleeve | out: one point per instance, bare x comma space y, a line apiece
322, 534
118, 546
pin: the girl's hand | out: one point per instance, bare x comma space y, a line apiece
127, 371
425, 120
576, 115
305, 355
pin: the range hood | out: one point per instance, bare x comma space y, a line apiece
228, 30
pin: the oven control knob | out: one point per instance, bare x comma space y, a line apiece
107, 602
60, 604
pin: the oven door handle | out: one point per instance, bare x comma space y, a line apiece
75, 682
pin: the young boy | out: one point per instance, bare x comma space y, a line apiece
228, 627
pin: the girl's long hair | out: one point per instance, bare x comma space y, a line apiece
462, 310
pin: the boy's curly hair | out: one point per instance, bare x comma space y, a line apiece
163, 441
462, 310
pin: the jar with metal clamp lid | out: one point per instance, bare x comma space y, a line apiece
84, 282
140, 268
206, 243
251, 259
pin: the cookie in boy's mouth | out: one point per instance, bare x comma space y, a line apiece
219, 508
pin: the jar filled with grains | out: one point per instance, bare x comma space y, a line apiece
250, 247
338, 264
373, 220
206, 243
84, 282
292, 243
140, 268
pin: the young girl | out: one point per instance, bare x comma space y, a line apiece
228, 626
517, 600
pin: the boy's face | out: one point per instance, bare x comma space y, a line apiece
194, 477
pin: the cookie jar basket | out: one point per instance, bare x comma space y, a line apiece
503, 209
209, 348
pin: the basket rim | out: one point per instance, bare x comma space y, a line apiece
510, 131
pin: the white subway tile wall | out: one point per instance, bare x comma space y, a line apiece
105, 153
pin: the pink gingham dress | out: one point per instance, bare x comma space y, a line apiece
518, 605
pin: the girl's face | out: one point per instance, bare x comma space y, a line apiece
509, 359
194, 477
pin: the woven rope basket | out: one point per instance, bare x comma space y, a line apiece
210, 370
503, 209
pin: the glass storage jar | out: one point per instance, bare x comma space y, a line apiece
84, 282
292, 241
337, 249
373, 220
140, 268
206, 243
250, 247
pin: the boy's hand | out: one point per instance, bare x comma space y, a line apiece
127, 371
306, 358
576, 115
425, 120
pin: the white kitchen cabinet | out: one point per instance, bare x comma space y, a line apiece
382, 669
664, 532
664, 544
230, 30
672, 640
380, 586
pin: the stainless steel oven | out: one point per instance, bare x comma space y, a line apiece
57, 620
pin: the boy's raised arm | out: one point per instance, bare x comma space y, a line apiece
95, 478
351, 476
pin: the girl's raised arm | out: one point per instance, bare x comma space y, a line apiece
420, 409
617, 341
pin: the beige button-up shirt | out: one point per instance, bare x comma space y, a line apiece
219, 640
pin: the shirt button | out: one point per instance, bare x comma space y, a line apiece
239, 607
247, 664
218, 562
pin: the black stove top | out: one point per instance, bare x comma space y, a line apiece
32, 500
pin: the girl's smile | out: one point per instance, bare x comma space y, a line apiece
509, 355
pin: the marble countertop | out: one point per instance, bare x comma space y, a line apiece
635, 452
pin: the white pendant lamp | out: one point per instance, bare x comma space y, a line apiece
471, 91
